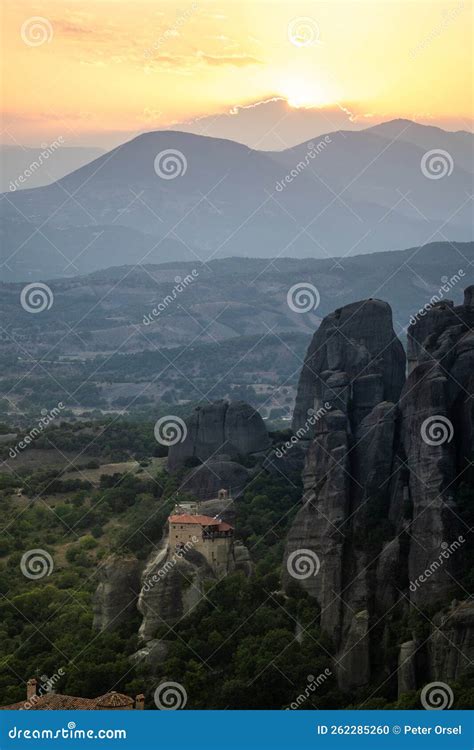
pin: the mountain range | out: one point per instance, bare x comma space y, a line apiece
231, 327
341, 194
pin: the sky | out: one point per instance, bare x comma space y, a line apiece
98, 71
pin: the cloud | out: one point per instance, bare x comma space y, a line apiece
272, 124
189, 61
238, 61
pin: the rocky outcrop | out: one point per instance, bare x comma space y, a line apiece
451, 646
205, 481
171, 587
234, 429
381, 474
437, 439
407, 667
173, 583
353, 362
117, 593
151, 656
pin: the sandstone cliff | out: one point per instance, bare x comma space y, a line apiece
380, 480
117, 592
233, 429
354, 359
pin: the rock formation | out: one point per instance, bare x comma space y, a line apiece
354, 359
234, 429
117, 593
381, 474
173, 584
205, 481
171, 587
451, 645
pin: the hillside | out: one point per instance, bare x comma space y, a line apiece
228, 331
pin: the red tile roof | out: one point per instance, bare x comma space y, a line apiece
57, 702
186, 518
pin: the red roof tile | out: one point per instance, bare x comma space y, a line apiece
57, 702
186, 518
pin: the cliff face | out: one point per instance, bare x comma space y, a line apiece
437, 433
232, 429
117, 592
171, 587
380, 478
354, 358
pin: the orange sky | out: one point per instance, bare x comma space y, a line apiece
90, 68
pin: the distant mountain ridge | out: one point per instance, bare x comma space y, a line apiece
341, 194
228, 330
229, 297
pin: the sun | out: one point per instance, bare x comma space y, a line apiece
301, 92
